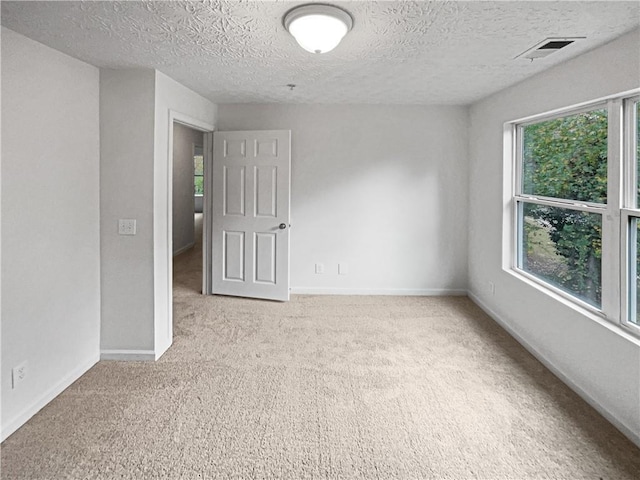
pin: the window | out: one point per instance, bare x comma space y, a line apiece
576, 206
198, 170
561, 201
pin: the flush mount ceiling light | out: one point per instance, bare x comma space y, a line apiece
318, 28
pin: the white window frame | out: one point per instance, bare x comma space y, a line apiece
621, 205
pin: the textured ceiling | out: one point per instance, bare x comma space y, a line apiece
428, 52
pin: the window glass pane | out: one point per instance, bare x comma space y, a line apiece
564, 248
198, 182
567, 157
198, 166
637, 135
634, 270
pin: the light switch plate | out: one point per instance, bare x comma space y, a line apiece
126, 226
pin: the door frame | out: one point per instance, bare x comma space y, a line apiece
207, 129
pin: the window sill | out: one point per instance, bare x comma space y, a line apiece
630, 333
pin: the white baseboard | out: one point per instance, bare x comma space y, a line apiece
419, 292
162, 347
184, 249
627, 432
129, 355
21, 418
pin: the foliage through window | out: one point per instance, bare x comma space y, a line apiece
566, 158
564, 163
198, 171
563, 247
576, 203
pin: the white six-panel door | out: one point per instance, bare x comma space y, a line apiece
251, 197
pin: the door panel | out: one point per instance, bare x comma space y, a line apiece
266, 200
251, 204
234, 190
265, 261
233, 268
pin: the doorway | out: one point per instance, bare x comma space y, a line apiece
186, 185
191, 134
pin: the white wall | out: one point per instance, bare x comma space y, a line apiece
199, 203
184, 141
599, 362
126, 191
135, 133
172, 100
381, 188
50, 223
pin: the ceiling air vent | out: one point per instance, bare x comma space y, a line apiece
547, 47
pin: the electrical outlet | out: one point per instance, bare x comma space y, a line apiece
319, 268
18, 374
126, 226
343, 269
492, 288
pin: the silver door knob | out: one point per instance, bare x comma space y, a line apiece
282, 226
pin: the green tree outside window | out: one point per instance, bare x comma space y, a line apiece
565, 159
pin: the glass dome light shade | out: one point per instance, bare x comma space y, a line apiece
318, 28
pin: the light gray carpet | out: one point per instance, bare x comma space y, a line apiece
322, 387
